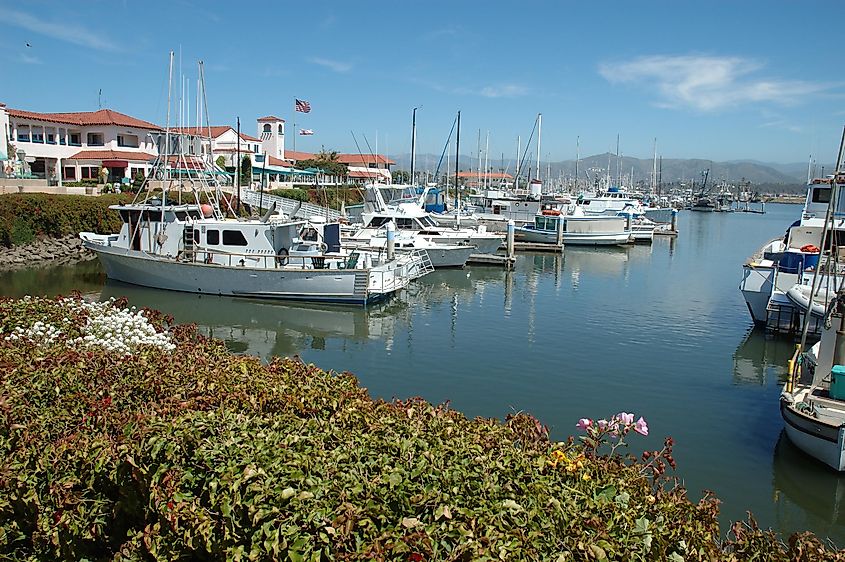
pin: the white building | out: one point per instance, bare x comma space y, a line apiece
78, 144
224, 142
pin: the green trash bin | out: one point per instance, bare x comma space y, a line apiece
837, 382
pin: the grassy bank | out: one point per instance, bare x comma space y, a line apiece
123, 437
25, 216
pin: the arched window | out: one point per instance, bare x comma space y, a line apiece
267, 128
281, 129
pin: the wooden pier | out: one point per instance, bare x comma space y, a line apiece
491, 259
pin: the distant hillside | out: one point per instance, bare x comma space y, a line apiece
674, 170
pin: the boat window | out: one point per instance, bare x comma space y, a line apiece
307, 234
405, 223
379, 221
585, 202
181, 215
821, 195
124, 215
212, 237
234, 238
428, 221
152, 216
196, 236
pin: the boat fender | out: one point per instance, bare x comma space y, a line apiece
282, 257
324, 247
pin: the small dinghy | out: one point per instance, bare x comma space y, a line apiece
799, 295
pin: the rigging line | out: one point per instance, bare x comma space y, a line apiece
525, 152
445, 148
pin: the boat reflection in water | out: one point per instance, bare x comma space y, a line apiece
807, 494
761, 359
264, 328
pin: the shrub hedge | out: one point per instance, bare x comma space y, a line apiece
24, 216
197, 454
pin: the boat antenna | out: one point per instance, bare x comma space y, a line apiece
525, 152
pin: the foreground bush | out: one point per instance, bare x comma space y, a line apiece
24, 216
170, 448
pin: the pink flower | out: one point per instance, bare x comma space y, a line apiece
641, 427
584, 423
625, 418
602, 424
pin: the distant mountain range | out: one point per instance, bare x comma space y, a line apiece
674, 170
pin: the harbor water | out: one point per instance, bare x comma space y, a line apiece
661, 331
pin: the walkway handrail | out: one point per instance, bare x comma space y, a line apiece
288, 206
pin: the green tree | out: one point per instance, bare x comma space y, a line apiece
246, 170
221, 162
327, 161
401, 176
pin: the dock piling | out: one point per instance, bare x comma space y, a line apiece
391, 240
510, 239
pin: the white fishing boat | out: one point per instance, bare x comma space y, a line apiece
578, 230
777, 281
812, 403
197, 248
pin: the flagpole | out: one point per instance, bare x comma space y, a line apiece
294, 125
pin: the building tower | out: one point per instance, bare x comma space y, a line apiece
271, 131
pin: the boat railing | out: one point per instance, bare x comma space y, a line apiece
263, 261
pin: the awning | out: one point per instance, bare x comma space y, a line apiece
115, 163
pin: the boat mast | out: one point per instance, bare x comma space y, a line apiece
516, 162
618, 163
486, 159
539, 135
654, 169
577, 158
457, 160
413, 144
165, 178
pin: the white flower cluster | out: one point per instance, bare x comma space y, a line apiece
113, 329
40, 332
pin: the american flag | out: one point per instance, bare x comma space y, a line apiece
306, 132
303, 106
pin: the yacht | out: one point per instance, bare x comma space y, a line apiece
578, 229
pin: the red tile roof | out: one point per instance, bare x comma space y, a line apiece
353, 159
216, 131
273, 161
80, 118
296, 155
271, 118
373, 173
112, 155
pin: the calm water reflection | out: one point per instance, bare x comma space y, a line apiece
660, 330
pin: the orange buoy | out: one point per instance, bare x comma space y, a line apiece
206, 210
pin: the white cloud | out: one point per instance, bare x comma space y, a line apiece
63, 31
503, 91
336, 66
28, 59
707, 83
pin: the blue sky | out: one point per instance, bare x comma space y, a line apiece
709, 79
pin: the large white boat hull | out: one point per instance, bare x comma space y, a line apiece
823, 441
349, 286
574, 238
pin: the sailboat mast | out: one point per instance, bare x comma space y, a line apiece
539, 136
478, 153
413, 144
654, 169
516, 162
457, 160
618, 163
486, 159
577, 158
167, 128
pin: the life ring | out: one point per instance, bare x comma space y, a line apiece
282, 257
324, 247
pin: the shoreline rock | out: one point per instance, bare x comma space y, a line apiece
43, 252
